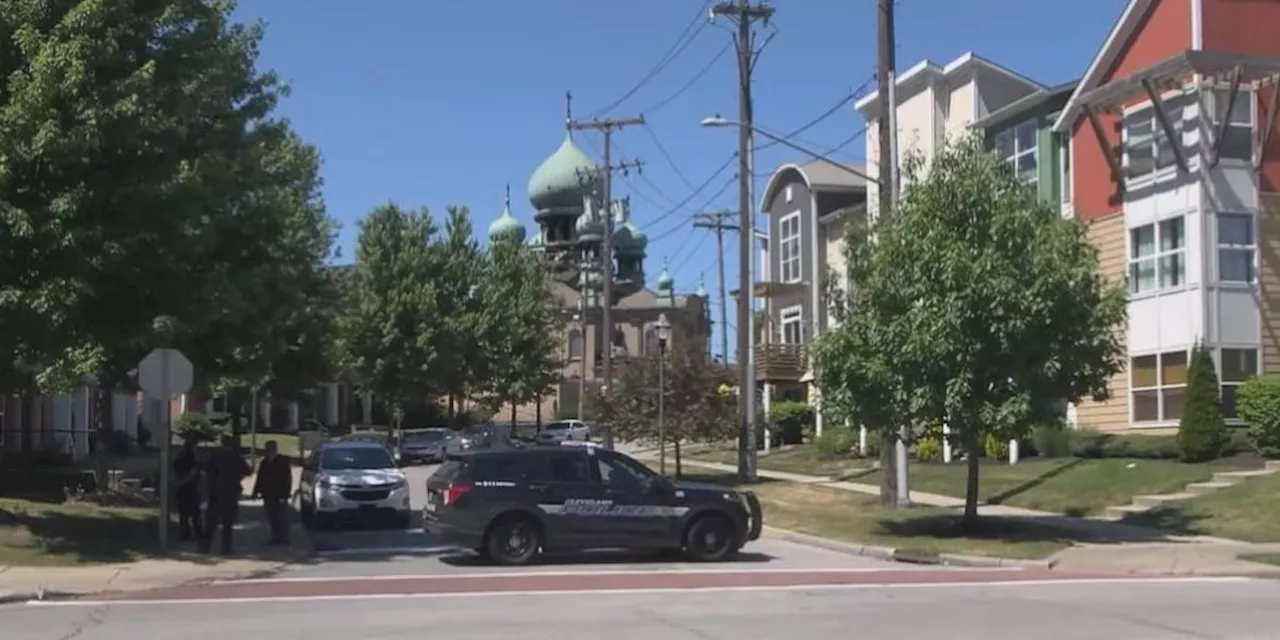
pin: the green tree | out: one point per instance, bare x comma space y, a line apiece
693, 409
147, 182
460, 350
1202, 432
390, 323
521, 328
976, 304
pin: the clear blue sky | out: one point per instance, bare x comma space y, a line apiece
438, 103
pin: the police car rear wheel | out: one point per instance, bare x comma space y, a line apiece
710, 538
513, 540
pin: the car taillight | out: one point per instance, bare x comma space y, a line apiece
454, 492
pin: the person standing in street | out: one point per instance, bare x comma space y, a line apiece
274, 484
227, 470
186, 482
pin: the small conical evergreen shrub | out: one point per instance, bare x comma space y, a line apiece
1202, 433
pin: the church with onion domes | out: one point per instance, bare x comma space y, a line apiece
567, 231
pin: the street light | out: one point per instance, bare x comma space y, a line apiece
717, 121
664, 334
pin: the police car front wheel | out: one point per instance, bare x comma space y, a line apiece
513, 540
710, 538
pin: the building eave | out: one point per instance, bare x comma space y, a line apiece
1105, 58
869, 105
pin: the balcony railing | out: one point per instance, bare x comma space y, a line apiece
780, 362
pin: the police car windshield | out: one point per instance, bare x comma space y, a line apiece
346, 458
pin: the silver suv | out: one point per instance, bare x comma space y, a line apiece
354, 482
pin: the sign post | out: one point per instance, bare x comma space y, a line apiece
163, 374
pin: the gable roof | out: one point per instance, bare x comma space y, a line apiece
1121, 32
908, 81
1026, 103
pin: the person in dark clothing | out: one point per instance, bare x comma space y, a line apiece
227, 469
274, 485
186, 482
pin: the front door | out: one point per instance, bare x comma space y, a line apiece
638, 515
563, 489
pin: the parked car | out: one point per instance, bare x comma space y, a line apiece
557, 432
353, 481
424, 445
478, 437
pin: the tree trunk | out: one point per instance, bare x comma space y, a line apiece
888, 466
973, 446
513, 418
102, 411
453, 406
679, 467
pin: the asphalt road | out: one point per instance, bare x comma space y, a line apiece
1100, 609
346, 553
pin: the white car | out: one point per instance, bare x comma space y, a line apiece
353, 482
564, 430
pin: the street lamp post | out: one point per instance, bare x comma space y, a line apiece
664, 334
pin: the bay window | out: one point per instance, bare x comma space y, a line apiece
1157, 256
1237, 365
1147, 149
1236, 247
789, 247
1157, 384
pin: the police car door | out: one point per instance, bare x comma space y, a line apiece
637, 515
566, 493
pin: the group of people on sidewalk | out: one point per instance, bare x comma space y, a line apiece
208, 484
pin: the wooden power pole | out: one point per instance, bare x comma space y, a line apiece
744, 14
718, 223
885, 65
604, 172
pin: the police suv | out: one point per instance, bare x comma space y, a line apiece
511, 504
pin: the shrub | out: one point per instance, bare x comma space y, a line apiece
994, 448
837, 441
928, 449
1258, 403
790, 420
1202, 432
197, 427
872, 450
1052, 440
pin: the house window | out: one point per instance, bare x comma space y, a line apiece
1237, 366
1237, 140
1065, 158
651, 340
575, 344
1017, 146
1146, 148
1158, 384
1157, 256
1235, 247
789, 247
792, 325
789, 193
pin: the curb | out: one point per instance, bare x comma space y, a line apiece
906, 556
17, 597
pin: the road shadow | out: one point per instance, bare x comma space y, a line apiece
1169, 518
466, 558
1047, 528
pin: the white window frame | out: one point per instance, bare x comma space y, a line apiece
790, 193
1161, 259
1160, 388
789, 317
582, 344
1249, 249
1235, 384
1161, 165
790, 266
1017, 152
1064, 171
1241, 125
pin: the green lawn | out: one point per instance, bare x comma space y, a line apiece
1264, 558
802, 459
1071, 486
43, 534
856, 518
1248, 511
288, 444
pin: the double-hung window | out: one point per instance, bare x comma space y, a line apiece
1147, 150
1237, 139
1158, 384
789, 247
1236, 247
1237, 365
1017, 146
1157, 256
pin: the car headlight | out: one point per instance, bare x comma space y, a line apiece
325, 484
396, 484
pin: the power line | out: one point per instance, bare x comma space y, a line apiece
680, 207
719, 222
824, 116
689, 84
682, 42
679, 227
667, 156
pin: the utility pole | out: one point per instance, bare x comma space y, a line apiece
605, 175
718, 223
744, 14
885, 65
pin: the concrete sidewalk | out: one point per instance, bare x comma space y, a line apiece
1111, 548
